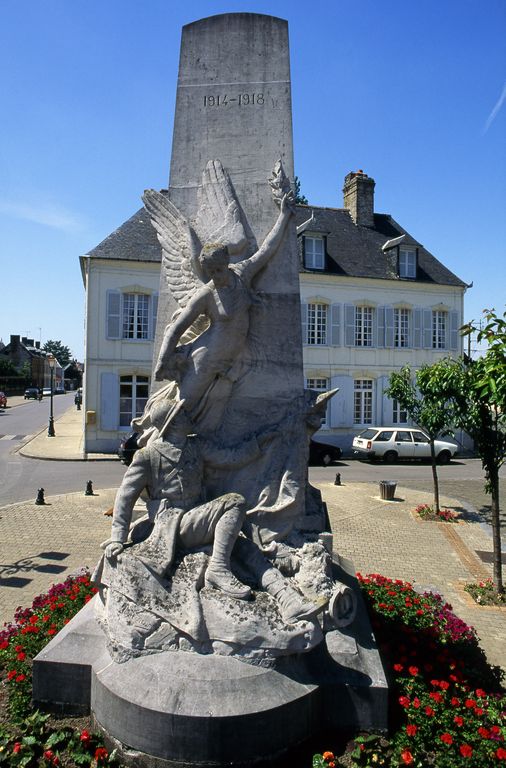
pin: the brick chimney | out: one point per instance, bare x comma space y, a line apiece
358, 194
14, 342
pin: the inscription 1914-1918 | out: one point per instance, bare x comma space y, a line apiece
241, 100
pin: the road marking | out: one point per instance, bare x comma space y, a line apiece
16, 437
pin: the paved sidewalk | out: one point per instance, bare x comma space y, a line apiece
40, 545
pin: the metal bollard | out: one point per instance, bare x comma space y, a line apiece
337, 481
89, 489
40, 496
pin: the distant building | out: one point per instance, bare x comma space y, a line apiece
372, 299
25, 353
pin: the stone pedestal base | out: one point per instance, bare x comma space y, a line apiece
177, 708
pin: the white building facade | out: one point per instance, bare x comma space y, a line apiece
372, 300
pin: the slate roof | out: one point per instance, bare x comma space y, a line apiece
135, 240
356, 251
352, 251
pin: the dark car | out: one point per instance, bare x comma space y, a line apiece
127, 448
323, 454
32, 393
3, 400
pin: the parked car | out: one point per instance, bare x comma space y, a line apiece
59, 391
127, 448
46, 391
392, 443
32, 393
322, 453
3, 400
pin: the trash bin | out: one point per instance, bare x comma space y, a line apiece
387, 489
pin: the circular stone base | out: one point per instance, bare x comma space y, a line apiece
204, 710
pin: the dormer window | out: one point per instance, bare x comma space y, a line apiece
314, 252
407, 262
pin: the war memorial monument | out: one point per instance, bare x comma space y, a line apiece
226, 630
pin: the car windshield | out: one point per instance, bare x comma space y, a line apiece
368, 434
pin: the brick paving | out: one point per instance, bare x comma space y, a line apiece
385, 537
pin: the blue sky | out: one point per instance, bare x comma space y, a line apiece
411, 92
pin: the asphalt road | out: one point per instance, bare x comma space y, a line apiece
20, 477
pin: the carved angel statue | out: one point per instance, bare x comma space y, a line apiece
205, 337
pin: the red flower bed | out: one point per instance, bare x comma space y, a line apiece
447, 703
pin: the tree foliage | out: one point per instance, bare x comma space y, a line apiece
299, 197
7, 368
476, 390
59, 350
421, 398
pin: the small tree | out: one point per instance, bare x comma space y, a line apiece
477, 390
425, 407
299, 198
59, 350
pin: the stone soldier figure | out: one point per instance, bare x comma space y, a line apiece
170, 468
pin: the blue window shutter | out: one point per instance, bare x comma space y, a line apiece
342, 402
109, 401
417, 327
303, 315
427, 328
335, 323
454, 329
389, 326
113, 322
154, 312
386, 402
349, 325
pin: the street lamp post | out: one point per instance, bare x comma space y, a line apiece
50, 430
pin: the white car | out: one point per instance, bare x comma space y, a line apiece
392, 443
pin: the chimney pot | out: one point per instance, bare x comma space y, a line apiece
358, 194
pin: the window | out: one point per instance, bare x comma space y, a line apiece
407, 262
314, 253
439, 325
362, 401
135, 316
401, 327
384, 437
403, 437
320, 385
316, 323
419, 437
363, 326
133, 394
399, 415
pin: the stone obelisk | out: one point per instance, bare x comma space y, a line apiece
234, 104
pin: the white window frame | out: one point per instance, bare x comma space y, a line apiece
439, 329
407, 263
319, 384
402, 322
363, 402
314, 258
364, 319
399, 415
136, 326
137, 400
317, 323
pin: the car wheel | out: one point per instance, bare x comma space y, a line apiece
444, 457
390, 457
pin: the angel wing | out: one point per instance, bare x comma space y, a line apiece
180, 246
219, 218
